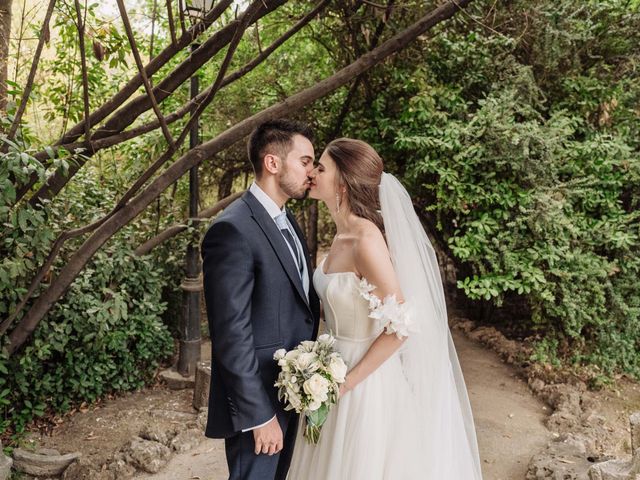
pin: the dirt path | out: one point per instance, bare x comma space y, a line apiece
508, 422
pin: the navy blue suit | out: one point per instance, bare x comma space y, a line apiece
256, 304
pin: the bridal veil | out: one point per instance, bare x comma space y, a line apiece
429, 358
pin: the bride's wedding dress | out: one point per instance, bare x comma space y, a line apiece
410, 418
369, 434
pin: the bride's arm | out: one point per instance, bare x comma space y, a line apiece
373, 262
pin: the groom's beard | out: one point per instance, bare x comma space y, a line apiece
295, 192
293, 189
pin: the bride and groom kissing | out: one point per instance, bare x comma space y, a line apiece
403, 411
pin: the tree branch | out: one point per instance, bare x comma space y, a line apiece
129, 89
206, 150
101, 144
85, 78
126, 115
174, 230
32, 73
145, 80
172, 27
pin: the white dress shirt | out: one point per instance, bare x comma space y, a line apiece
273, 210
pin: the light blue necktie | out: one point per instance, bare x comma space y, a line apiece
281, 221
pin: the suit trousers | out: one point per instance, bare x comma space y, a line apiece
243, 462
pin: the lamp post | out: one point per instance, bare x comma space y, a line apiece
189, 343
196, 9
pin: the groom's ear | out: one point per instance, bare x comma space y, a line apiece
271, 163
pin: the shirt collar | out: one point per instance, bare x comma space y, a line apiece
266, 201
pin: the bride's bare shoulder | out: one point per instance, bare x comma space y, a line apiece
369, 240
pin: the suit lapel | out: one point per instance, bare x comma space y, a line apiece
277, 241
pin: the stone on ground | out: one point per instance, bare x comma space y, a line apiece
43, 463
147, 455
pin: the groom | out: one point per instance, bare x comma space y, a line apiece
259, 296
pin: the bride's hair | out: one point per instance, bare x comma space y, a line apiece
359, 171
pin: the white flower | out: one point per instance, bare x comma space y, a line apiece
389, 314
292, 355
326, 340
337, 369
307, 361
279, 354
307, 345
318, 387
314, 405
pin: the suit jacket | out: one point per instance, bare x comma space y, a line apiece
255, 305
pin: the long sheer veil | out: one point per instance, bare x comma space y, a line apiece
429, 358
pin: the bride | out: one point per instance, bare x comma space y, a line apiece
403, 411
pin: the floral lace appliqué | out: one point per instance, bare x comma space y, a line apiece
389, 314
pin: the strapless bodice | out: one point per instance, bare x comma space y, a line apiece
346, 312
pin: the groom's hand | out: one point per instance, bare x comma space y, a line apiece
268, 438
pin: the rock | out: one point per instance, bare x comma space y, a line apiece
5, 465
617, 469
562, 421
201, 421
594, 420
563, 397
85, 470
202, 383
121, 470
187, 440
156, 434
563, 459
176, 381
43, 463
146, 455
536, 385
634, 420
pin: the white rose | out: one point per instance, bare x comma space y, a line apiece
326, 339
314, 405
292, 355
307, 345
306, 361
284, 364
337, 369
279, 354
318, 387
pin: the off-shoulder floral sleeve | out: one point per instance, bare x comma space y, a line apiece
393, 316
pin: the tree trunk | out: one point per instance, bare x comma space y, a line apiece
207, 150
226, 183
5, 36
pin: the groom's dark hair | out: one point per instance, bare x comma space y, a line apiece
275, 137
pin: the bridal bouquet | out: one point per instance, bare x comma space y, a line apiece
309, 381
